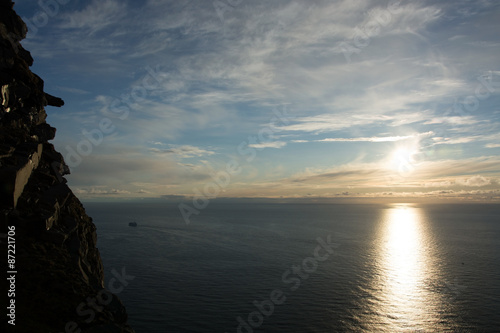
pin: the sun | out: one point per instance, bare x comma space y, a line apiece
403, 160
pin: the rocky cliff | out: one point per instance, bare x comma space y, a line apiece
54, 270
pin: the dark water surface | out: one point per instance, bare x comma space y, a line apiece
262, 268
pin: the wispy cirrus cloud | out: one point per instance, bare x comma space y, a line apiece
185, 151
331, 122
272, 144
377, 138
97, 16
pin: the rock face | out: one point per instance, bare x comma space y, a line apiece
59, 269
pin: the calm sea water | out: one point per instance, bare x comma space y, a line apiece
261, 267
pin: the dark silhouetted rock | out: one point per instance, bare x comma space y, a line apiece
54, 101
58, 263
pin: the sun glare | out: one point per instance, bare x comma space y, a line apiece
402, 160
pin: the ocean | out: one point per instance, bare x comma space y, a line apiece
304, 267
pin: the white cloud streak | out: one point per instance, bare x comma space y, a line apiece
273, 144
376, 139
185, 151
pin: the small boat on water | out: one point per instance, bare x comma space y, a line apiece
132, 224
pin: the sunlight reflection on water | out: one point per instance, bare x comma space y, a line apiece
405, 265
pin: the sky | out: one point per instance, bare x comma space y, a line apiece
354, 99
